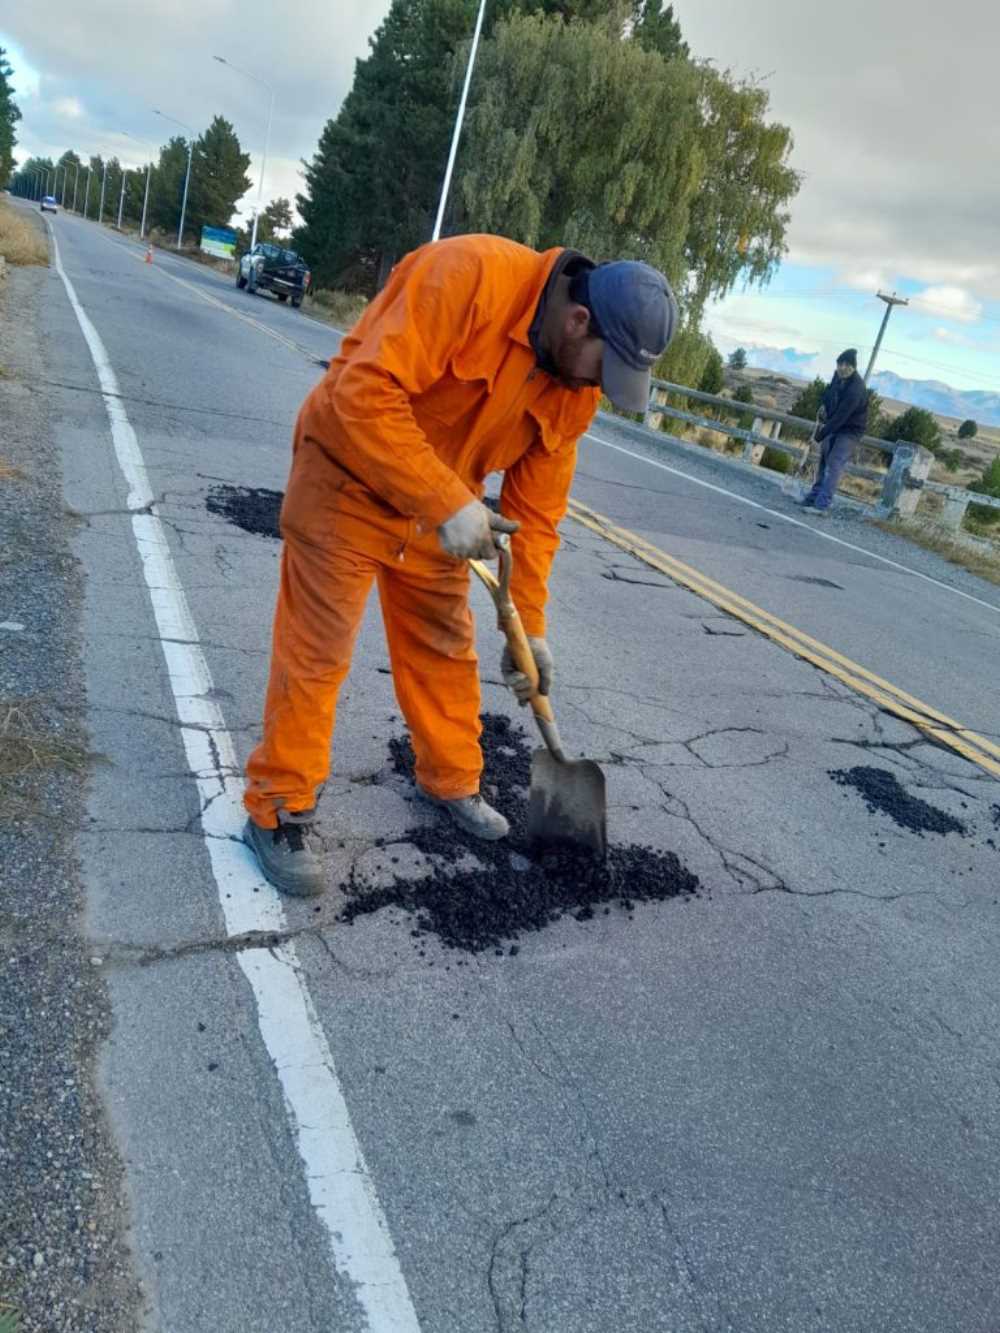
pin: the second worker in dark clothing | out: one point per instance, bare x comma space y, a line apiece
844, 421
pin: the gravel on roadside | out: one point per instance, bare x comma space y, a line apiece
65, 1265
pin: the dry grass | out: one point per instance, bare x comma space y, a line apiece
342, 309
29, 748
20, 240
8, 473
976, 559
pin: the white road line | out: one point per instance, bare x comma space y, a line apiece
339, 1181
795, 522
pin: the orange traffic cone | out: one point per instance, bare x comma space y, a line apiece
149, 255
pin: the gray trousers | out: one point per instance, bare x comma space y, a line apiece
835, 453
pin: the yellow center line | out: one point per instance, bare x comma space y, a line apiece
941, 728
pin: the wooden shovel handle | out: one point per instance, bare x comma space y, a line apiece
509, 622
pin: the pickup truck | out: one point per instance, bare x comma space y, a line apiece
269, 267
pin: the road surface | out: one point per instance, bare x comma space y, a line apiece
772, 1106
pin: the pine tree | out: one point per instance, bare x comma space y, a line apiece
166, 189
968, 430
218, 179
738, 359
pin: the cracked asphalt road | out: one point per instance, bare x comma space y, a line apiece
771, 1108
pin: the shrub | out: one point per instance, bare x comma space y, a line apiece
988, 484
968, 430
776, 460
738, 359
916, 426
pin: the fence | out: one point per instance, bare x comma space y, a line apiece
902, 481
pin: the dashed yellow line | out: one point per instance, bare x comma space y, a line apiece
938, 726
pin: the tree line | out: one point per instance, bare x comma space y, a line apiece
589, 124
217, 183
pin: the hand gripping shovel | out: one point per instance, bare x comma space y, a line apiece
567, 805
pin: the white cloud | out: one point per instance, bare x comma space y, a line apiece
952, 338
955, 302
67, 108
864, 279
892, 152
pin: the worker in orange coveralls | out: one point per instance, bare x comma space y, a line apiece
479, 356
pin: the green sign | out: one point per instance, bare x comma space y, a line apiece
218, 241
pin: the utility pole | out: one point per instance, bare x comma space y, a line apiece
890, 301
104, 181
121, 200
76, 182
86, 191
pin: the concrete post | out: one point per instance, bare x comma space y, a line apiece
956, 502
653, 418
910, 463
753, 453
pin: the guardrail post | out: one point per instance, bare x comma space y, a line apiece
956, 502
904, 482
653, 417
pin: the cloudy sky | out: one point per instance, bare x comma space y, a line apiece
895, 109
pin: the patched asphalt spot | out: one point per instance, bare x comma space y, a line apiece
475, 896
883, 793
253, 508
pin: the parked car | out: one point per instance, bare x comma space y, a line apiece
269, 267
48, 204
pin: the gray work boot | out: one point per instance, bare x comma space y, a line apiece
472, 815
285, 855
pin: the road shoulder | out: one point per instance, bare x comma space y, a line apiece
66, 1263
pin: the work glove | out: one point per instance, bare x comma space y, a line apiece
468, 535
518, 682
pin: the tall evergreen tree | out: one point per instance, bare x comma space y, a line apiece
218, 179
371, 188
166, 189
657, 30
9, 116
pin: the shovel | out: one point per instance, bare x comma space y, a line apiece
567, 805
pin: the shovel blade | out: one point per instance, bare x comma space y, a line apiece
567, 805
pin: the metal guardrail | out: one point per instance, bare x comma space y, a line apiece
907, 464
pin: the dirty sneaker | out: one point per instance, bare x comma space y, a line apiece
285, 855
472, 815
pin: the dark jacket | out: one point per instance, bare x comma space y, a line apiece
846, 405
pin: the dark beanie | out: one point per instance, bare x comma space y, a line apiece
850, 356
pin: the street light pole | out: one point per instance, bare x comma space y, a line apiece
267, 138
76, 182
121, 200
145, 198
459, 119
104, 182
890, 301
187, 174
86, 191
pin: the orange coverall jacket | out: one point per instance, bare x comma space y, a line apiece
436, 387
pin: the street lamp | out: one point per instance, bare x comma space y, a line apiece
104, 183
267, 137
76, 182
145, 199
86, 191
187, 174
457, 134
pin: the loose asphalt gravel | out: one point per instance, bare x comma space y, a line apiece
64, 1265
478, 895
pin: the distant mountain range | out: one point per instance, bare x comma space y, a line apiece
982, 405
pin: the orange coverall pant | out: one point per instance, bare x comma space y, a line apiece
429, 629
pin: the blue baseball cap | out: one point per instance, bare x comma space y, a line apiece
636, 316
